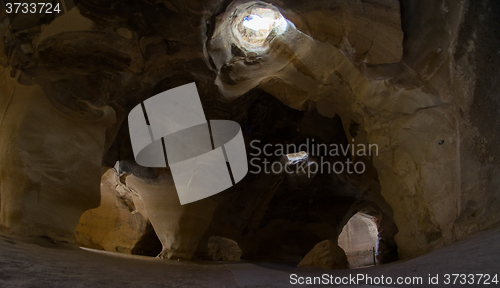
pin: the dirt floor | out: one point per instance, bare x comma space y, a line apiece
41, 263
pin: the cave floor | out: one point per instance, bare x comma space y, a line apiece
46, 264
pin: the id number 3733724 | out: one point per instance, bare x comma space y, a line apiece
32, 8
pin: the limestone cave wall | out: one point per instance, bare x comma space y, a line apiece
416, 78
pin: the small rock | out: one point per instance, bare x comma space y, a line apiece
326, 254
223, 249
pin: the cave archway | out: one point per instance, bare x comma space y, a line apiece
359, 240
374, 224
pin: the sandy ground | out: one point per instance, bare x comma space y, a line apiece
42, 263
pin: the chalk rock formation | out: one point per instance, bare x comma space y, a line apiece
179, 227
43, 153
339, 72
120, 223
326, 254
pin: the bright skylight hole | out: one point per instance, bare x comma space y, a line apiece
294, 157
255, 22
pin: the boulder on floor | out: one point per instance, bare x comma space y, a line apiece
223, 249
326, 254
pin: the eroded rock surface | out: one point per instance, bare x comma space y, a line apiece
120, 223
326, 254
428, 100
179, 227
223, 249
43, 153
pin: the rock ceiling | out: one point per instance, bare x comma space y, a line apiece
403, 75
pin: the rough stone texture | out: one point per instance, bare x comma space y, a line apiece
66, 91
414, 111
370, 31
120, 223
223, 249
179, 227
477, 62
283, 216
326, 254
29, 265
43, 153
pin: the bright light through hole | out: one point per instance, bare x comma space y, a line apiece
255, 22
295, 157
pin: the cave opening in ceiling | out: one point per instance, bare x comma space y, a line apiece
294, 157
255, 23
